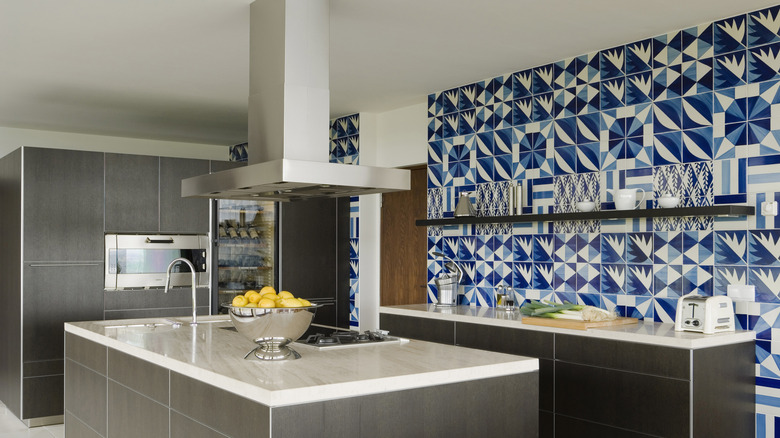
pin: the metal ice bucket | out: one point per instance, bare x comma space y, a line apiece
448, 290
447, 283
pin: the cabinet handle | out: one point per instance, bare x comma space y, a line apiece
149, 240
59, 265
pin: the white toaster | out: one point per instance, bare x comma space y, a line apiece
708, 315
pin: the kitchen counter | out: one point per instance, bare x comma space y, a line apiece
213, 354
651, 333
700, 385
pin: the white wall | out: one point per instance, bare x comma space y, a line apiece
402, 136
14, 138
395, 138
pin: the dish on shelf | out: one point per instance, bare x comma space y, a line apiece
586, 206
668, 201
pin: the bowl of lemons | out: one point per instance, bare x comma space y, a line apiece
271, 320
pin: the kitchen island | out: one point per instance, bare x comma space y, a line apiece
640, 380
130, 378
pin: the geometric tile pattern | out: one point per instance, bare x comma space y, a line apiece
345, 149
693, 112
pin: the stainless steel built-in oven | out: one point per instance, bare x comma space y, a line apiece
138, 261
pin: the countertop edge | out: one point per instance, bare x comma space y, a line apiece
691, 341
319, 393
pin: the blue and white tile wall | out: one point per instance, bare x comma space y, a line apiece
238, 152
345, 149
695, 113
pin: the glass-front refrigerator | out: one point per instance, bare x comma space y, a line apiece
245, 248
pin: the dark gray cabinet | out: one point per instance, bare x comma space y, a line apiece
132, 193
53, 294
63, 205
110, 393
607, 388
143, 195
177, 214
424, 329
56, 206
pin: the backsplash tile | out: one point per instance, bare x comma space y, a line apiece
691, 113
345, 149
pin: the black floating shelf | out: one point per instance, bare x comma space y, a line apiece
715, 210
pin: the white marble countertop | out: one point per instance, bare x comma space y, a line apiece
209, 353
653, 333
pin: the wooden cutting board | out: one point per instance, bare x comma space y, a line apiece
576, 325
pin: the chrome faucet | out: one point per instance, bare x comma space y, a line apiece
194, 282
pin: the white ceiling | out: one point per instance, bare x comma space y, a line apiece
178, 69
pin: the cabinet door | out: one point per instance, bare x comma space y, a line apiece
177, 214
515, 341
132, 186
424, 329
63, 205
55, 294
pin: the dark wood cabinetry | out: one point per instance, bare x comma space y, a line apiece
143, 195
607, 388
63, 205
177, 214
56, 207
132, 193
424, 329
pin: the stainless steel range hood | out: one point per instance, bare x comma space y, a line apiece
288, 116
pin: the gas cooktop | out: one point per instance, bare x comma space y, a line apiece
327, 337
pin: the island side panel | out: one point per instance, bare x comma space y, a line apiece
85, 387
444, 410
220, 410
724, 391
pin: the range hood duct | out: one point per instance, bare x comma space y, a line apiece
289, 112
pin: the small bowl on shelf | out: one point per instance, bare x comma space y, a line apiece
586, 206
668, 201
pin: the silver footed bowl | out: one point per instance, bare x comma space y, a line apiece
272, 329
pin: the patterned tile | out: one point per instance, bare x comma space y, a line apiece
763, 63
764, 248
767, 282
543, 276
613, 93
565, 74
639, 279
639, 248
667, 82
639, 56
665, 310
667, 49
639, 88
588, 98
729, 35
697, 42
668, 281
726, 275
522, 84
730, 70
613, 278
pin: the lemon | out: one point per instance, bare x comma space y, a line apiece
254, 298
240, 301
304, 303
267, 289
251, 305
290, 302
250, 292
285, 294
266, 303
